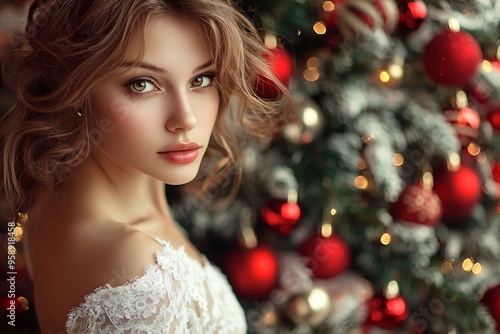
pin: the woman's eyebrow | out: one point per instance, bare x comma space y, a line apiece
144, 65
204, 66
154, 68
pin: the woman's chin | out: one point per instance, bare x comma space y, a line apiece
180, 180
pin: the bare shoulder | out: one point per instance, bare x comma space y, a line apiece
72, 262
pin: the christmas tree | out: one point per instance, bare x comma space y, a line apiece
375, 209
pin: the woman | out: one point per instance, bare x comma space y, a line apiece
115, 99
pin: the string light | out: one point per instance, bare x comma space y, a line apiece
361, 182
473, 149
328, 6
477, 268
384, 76
311, 74
385, 239
447, 266
398, 160
467, 264
319, 28
487, 66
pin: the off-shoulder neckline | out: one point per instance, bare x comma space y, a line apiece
166, 245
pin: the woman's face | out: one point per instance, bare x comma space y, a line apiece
157, 118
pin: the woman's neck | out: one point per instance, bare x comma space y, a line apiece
115, 192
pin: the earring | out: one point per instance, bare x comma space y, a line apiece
78, 112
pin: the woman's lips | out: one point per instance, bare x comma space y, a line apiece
181, 153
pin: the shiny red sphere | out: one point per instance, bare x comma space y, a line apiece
418, 205
253, 273
452, 58
387, 313
281, 215
326, 257
459, 191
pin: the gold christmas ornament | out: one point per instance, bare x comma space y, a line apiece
311, 307
306, 122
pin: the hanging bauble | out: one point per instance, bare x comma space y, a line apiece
493, 117
351, 17
281, 215
411, 15
281, 64
459, 191
326, 257
466, 123
452, 58
311, 307
492, 301
418, 204
495, 171
387, 313
305, 124
252, 272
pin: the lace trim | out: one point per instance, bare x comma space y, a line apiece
175, 294
149, 270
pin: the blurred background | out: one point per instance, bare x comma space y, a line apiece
376, 207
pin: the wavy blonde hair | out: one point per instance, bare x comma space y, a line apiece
70, 47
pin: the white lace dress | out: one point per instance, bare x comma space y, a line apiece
175, 295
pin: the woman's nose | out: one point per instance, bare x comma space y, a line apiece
181, 115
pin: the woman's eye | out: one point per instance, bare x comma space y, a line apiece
202, 81
142, 86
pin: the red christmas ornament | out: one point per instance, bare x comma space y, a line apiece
466, 122
281, 215
459, 192
281, 64
493, 117
452, 58
387, 313
492, 300
419, 205
411, 15
253, 273
326, 257
495, 171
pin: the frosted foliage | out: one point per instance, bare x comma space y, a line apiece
348, 100
418, 241
369, 49
346, 146
489, 84
431, 128
484, 19
379, 154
